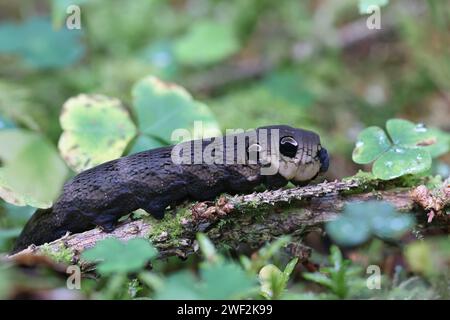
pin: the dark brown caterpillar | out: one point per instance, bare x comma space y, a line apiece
150, 180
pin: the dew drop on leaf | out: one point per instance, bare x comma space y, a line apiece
420, 127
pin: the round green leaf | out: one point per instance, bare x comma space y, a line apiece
33, 173
116, 256
365, 210
407, 133
348, 231
96, 129
144, 142
40, 45
207, 42
399, 161
225, 281
371, 143
393, 226
440, 142
163, 107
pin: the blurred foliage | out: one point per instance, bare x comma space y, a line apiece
201, 35
360, 221
338, 276
160, 65
62, 48
25, 156
364, 5
133, 255
274, 281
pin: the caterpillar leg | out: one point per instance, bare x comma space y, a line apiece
106, 222
156, 208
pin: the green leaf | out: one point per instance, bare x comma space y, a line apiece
360, 221
348, 231
365, 210
30, 163
96, 129
6, 234
399, 161
338, 277
336, 257
25, 111
406, 133
429, 257
116, 256
225, 281
364, 5
409, 150
289, 268
319, 278
371, 143
272, 281
207, 248
391, 227
290, 86
179, 286
206, 42
217, 281
144, 142
163, 107
39, 45
10, 37
440, 142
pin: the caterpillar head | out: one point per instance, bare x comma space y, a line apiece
301, 157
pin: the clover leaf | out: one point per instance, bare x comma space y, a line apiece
407, 148
360, 221
116, 256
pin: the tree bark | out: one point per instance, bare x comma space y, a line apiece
250, 220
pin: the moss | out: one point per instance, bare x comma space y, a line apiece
367, 181
170, 224
62, 255
253, 208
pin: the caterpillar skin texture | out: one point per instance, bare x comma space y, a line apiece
151, 181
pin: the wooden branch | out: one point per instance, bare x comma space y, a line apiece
250, 219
